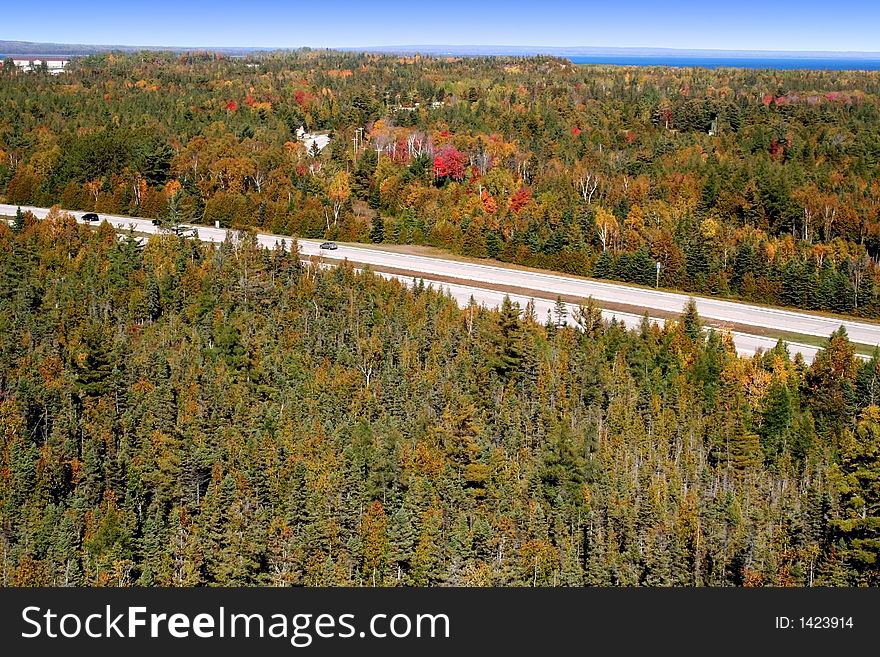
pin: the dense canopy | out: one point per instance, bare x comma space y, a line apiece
182, 414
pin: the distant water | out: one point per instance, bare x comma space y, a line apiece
618, 59
831, 64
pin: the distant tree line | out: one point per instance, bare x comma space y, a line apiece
759, 185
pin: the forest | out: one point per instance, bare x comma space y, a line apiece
180, 414
759, 185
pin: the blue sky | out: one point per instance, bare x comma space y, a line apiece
746, 24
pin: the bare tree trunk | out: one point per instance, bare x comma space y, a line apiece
588, 184
829, 215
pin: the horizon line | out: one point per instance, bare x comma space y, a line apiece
522, 49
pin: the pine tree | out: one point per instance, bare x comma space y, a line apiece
157, 567
868, 381
152, 298
401, 539
605, 266
776, 419
18, 221
588, 318
691, 322
598, 572
741, 445
858, 480
377, 231
560, 312
708, 366
831, 382
461, 540
506, 358
696, 262
92, 362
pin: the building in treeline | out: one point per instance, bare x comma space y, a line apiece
53, 65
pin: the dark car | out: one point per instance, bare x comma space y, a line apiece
184, 231
90, 216
155, 222
329, 245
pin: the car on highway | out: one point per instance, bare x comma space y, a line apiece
155, 222
329, 245
182, 231
90, 216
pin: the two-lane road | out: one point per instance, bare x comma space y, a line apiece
739, 317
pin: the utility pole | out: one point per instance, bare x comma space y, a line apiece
657, 284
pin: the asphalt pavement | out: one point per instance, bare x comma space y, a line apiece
630, 302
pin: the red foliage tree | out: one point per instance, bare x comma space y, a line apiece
777, 150
490, 206
450, 163
401, 152
301, 98
520, 199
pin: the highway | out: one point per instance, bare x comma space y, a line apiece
745, 343
734, 316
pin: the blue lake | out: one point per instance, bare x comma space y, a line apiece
833, 64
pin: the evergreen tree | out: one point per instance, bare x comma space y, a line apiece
831, 381
560, 312
691, 322
506, 356
18, 221
377, 232
868, 381
401, 539
605, 266
776, 420
859, 484
92, 362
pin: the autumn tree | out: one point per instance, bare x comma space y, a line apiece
338, 191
